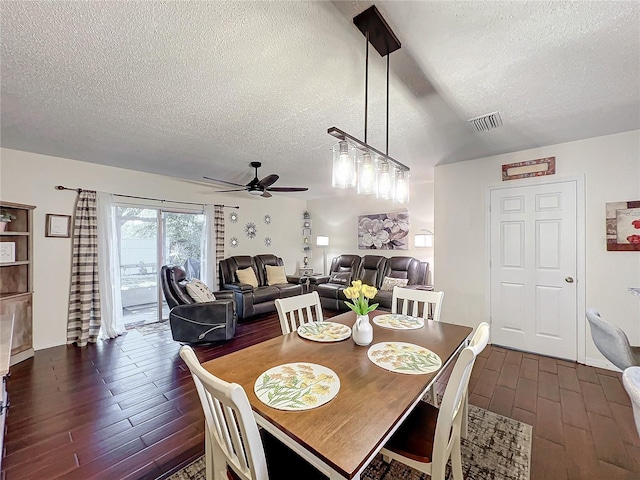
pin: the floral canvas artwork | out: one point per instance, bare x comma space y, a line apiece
383, 231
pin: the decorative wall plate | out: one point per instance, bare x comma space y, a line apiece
233, 217
324, 331
233, 241
297, 386
267, 219
400, 357
267, 241
250, 230
397, 321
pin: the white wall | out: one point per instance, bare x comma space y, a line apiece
337, 217
611, 168
30, 178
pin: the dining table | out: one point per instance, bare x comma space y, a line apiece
342, 436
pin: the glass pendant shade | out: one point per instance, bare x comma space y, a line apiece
366, 175
386, 180
344, 165
401, 194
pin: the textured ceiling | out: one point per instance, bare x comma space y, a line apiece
202, 88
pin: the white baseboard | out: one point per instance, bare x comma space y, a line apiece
600, 363
19, 357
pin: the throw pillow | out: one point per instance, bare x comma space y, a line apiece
389, 282
275, 275
342, 278
247, 275
199, 291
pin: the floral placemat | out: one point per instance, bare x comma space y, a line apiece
324, 331
403, 357
297, 386
397, 321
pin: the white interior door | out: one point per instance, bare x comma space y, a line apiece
534, 268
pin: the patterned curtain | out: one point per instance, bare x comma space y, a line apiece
83, 324
219, 228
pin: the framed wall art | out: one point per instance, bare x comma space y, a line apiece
58, 226
383, 231
623, 226
7, 252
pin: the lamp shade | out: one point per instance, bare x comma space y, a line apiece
366, 175
322, 240
423, 240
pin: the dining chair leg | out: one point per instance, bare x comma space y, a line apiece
208, 455
456, 461
219, 463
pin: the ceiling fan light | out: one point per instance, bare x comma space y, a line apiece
256, 191
366, 175
344, 165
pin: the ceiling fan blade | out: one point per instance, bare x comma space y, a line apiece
288, 189
268, 181
224, 181
236, 190
266, 194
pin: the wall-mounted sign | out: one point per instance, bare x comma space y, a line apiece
530, 168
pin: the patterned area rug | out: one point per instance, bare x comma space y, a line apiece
498, 448
152, 328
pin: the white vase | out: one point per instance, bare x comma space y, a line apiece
362, 331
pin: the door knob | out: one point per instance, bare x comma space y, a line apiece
568, 279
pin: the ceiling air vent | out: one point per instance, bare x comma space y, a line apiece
484, 123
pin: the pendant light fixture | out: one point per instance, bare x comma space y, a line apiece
354, 161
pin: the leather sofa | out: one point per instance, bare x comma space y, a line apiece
253, 301
371, 269
193, 322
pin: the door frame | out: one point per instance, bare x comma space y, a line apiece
581, 340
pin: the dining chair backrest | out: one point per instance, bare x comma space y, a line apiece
631, 382
450, 416
229, 420
294, 311
611, 341
419, 301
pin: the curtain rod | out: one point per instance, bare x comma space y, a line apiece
79, 190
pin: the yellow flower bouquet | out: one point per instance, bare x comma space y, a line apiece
360, 295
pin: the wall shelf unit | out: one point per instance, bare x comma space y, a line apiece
16, 279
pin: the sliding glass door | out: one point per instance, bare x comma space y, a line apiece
148, 239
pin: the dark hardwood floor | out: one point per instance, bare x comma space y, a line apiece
127, 409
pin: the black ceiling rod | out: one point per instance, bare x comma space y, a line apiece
366, 85
387, 150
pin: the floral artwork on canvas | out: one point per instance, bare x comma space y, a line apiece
623, 225
383, 231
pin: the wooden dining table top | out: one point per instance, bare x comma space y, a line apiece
346, 431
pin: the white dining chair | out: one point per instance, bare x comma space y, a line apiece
294, 311
420, 301
241, 450
631, 382
430, 436
612, 342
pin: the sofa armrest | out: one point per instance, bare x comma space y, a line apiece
318, 279
224, 295
205, 311
238, 287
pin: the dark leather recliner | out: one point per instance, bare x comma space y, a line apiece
193, 322
253, 301
371, 269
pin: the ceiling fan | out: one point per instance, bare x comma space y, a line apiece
259, 187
